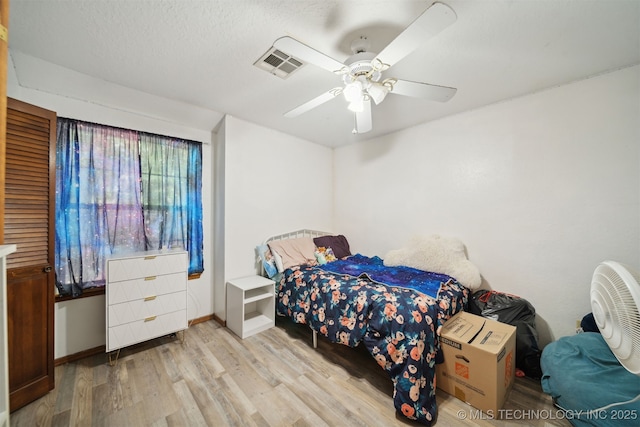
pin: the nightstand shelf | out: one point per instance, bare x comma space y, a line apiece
258, 294
250, 305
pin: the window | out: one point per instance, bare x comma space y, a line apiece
120, 191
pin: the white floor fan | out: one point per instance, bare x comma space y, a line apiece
615, 303
363, 72
580, 373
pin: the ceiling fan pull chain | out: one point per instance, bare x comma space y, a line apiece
355, 124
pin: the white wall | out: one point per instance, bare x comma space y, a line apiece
540, 189
273, 183
80, 324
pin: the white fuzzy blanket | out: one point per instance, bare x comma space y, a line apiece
443, 255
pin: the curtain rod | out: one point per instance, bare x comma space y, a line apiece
129, 130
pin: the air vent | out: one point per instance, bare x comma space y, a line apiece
278, 63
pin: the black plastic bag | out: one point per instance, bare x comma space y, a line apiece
588, 324
518, 312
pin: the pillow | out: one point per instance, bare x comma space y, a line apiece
325, 255
278, 259
268, 260
338, 244
295, 251
437, 254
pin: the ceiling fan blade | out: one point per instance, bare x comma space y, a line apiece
433, 20
307, 54
423, 90
318, 100
363, 119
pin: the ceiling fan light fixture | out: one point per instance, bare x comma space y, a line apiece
357, 105
353, 91
377, 92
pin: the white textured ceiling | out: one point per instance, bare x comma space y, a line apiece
202, 52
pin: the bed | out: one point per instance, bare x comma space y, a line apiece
395, 312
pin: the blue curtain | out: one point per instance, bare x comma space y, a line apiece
98, 209
172, 195
195, 235
121, 191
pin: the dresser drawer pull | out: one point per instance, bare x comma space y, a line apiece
150, 278
150, 257
151, 298
149, 319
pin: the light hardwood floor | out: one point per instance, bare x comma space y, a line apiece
275, 378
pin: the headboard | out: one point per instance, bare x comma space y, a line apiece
299, 233
292, 235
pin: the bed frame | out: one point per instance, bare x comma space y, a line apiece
294, 235
299, 233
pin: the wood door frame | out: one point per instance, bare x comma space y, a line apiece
4, 52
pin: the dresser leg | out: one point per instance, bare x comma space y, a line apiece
113, 361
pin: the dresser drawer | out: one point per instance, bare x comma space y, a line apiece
147, 266
146, 296
145, 329
136, 289
141, 309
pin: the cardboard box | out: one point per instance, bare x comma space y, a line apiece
479, 361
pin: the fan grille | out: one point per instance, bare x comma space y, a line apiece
615, 301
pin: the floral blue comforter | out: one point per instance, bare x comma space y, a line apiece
397, 324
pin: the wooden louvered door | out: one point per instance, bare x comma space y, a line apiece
29, 223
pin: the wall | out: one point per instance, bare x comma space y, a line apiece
273, 183
540, 189
80, 324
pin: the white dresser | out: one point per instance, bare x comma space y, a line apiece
146, 296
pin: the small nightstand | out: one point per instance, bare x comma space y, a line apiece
250, 305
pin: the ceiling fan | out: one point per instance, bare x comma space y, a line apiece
362, 72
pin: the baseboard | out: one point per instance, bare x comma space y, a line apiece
207, 318
203, 319
102, 349
219, 320
81, 355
